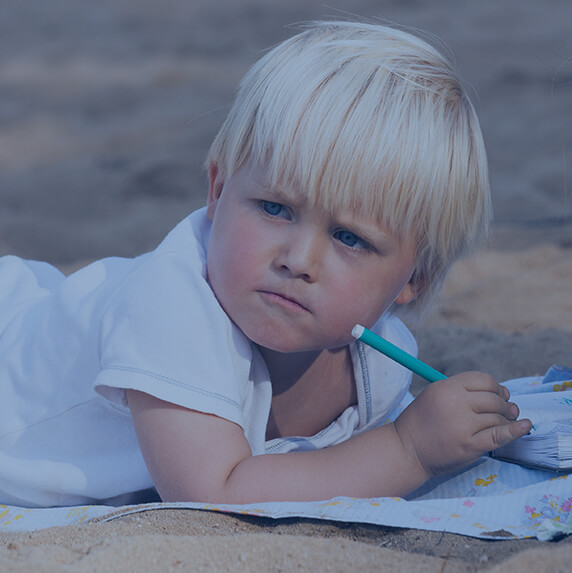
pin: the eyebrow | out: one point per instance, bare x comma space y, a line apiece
367, 231
283, 196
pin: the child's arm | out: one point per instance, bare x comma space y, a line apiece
199, 457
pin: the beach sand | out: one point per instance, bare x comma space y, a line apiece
106, 113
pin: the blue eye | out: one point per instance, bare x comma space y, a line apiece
349, 239
272, 208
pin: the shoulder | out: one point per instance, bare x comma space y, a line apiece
381, 383
164, 274
190, 236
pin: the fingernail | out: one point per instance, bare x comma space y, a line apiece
525, 425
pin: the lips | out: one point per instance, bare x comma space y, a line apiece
284, 301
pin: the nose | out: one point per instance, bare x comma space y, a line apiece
301, 254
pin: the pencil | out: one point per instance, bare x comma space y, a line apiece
395, 353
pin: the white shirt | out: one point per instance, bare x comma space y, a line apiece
69, 347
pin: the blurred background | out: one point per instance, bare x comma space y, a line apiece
107, 109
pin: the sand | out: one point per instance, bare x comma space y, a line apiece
106, 112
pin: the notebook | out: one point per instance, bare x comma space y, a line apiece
547, 402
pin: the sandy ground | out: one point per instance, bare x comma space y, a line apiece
106, 112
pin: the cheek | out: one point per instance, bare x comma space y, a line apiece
366, 296
231, 256
365, 308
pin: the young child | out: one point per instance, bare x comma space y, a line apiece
220, 367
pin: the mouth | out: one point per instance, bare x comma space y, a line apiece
283, 301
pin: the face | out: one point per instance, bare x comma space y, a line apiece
295, 277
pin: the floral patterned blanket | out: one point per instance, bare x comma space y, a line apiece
493, 499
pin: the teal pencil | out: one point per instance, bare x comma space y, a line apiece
395, 353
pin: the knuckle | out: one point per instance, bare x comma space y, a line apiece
480, 381
514, 411
497, 437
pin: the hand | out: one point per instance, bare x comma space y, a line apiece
454, 421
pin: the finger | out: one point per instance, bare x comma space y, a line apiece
504, 392
500, 435
489, 403
481, 382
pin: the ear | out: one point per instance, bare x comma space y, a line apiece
216, 184
407, 293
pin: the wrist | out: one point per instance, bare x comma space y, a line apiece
411, 454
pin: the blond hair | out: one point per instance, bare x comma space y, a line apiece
372, 119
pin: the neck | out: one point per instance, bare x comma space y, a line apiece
286, 369
309, 390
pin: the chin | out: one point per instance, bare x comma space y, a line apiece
280, 347
280, 338
289, 346
279, 343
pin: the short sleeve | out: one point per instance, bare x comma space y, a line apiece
164, 333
